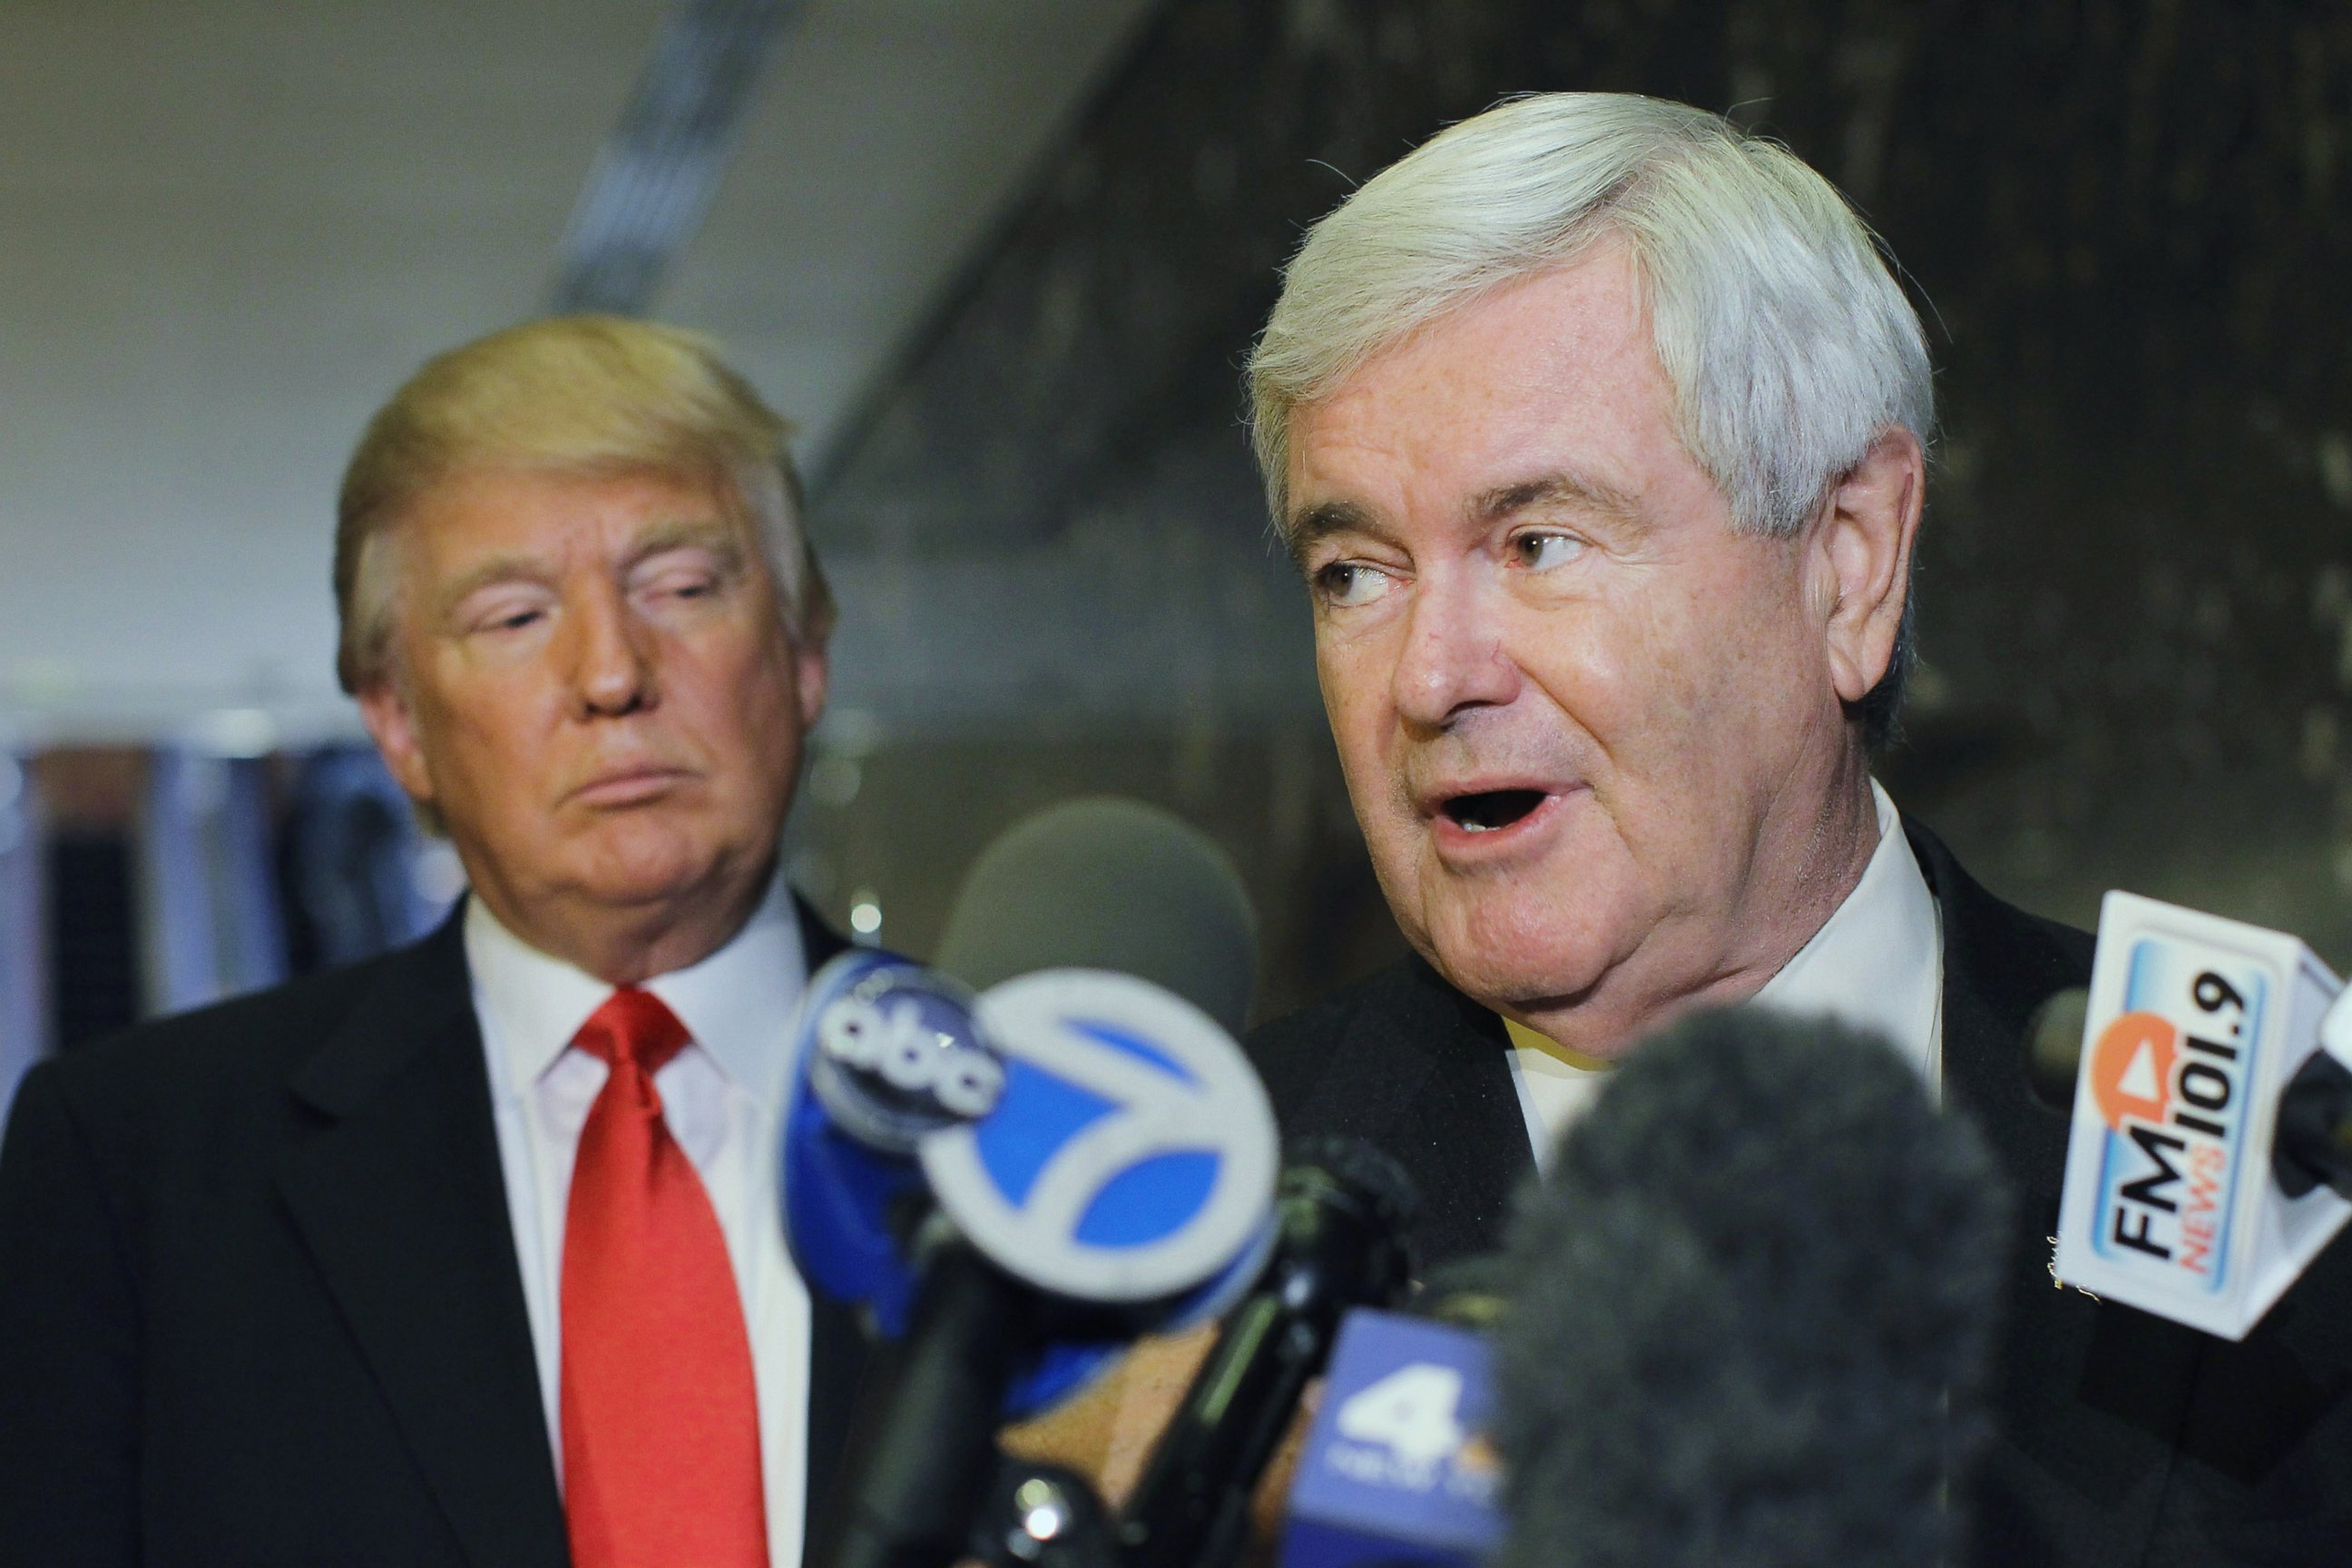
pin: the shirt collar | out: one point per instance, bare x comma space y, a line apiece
1875, 964
737, 1004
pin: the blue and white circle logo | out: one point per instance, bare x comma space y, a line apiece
1132, 1153
894, 1054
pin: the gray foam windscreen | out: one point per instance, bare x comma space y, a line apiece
1107, 883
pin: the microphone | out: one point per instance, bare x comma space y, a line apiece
1113, 1175
1099, 882
1751, 1309
889, 1053
1344, 1209
886, 1051
1122, 1178
1400, 1463
1745, 1323
1103, 882
2208, 1071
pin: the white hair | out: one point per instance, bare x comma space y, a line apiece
1789, 347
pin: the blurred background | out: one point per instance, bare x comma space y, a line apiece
1000, 259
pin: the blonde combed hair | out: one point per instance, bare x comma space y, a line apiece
579, 394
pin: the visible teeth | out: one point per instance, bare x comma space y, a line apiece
1490, 810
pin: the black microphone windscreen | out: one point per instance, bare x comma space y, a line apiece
1750, 1310
2054, 1046
1107, 883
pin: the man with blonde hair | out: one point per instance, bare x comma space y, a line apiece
470, 1254
1597, 428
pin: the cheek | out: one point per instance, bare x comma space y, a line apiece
480, 729
1664, 688
1355, 680
760, 714
1616, 669
1708, 707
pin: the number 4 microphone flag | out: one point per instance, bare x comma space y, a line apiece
2196, 1025
1398, 1466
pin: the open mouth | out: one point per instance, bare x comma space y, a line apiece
1491, 809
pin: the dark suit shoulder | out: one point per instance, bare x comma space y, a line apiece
219, 1073
1407, 1063
2009, 960
263, 1300
263, 1032
2001, 963
1293, 1051
258, 1029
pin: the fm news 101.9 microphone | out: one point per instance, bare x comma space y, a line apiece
1746, 1317
1118, 1178
2210, 1158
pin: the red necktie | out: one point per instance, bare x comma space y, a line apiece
661, 1429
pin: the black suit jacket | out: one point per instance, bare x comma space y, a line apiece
2120, 1440
259, 1295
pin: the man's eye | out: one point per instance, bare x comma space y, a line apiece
512, 620
687, 574
1346, 584
1540, 551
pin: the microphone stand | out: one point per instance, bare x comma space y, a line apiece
924, 1466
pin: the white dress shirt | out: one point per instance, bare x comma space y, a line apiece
1877, 962
723, 1096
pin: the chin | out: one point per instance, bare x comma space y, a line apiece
643, 863
1499, 948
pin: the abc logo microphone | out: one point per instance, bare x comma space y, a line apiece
1015, 1185
889, 1051
1131, 1156
895, 1056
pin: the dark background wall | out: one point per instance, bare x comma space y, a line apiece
2126, 227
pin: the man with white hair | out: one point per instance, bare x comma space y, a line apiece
1597, 428
470, 1254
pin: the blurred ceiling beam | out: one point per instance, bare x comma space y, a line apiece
653, 182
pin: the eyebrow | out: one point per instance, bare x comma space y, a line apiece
1555, 490
1325, 518
713, 533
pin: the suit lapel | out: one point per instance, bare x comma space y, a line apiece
1424, 1072
2090, 1398
400, 1199
836, 1344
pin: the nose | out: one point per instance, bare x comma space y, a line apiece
1453, 657
613, 657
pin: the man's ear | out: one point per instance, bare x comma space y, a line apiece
1861, 563
386, 714
811, 674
